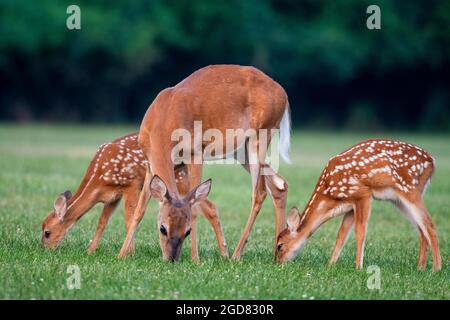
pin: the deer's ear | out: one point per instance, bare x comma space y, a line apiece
293, 219
200, 192
158, 188
60, 206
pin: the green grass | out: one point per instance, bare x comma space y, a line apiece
38, 162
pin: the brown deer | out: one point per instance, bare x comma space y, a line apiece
381, 169
222, 97
117, 170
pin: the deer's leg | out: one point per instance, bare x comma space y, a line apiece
253, 164
138, 214
362, 213
209, 210
277, 188
418, 213
131, 197
259, 194
342, 236
108, 210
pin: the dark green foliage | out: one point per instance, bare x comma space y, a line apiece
336, 71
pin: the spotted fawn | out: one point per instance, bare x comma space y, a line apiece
117, 170
380, 169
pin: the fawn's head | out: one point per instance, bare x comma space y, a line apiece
53, 227
174, 219
287, 241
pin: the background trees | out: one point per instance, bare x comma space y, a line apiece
337, 72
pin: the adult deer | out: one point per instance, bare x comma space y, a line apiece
381, 169
222, 97
116, 171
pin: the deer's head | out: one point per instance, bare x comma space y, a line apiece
287, 241
54, 227
174, 219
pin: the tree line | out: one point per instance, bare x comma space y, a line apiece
337, 72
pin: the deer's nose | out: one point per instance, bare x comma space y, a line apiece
175, 244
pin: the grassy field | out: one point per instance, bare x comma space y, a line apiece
38, 162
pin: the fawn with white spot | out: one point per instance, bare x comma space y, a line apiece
117, 170
381, 169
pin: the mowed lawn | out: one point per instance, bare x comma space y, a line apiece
38, 162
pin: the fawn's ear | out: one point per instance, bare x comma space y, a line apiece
200, 192
60, 206
158, 188
293, 219
67, 194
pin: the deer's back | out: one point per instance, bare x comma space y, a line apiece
222, 97
377, 164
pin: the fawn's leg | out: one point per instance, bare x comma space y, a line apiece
209, 210
342, 236
131, 197
108, 210
423, 251
277, 188
362, 213
138, 214
418, 212
431, 231
406, 209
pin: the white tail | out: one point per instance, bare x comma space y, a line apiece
285, 135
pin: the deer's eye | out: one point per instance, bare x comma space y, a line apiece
187, 233
46, 234
163, 230
279, 246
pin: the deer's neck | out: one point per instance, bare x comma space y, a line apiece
161, 164
84, 198
316, 212
78, 209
